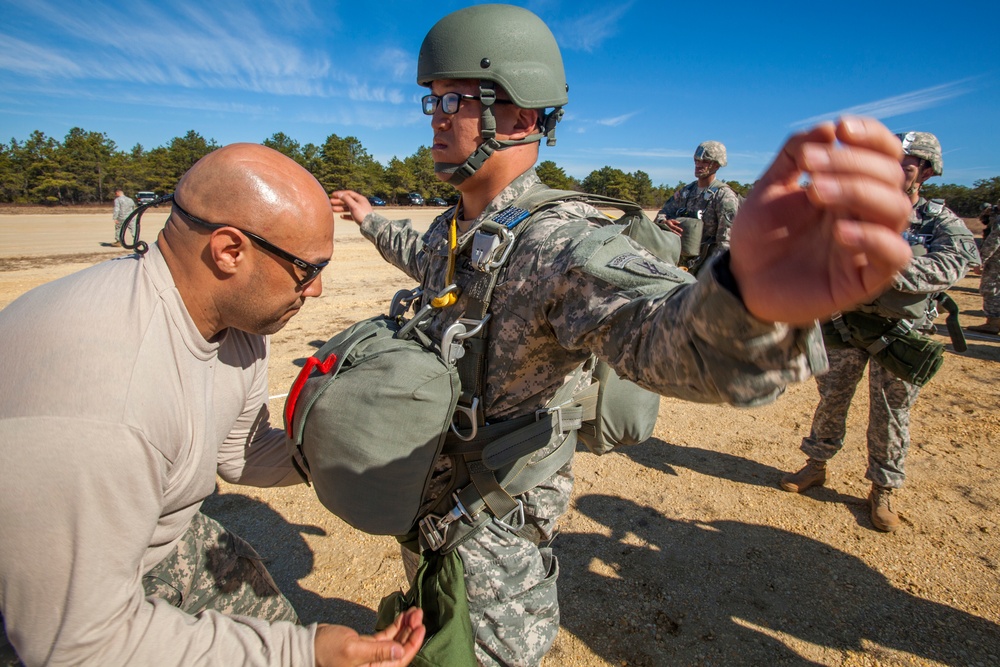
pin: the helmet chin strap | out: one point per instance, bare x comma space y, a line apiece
487, 95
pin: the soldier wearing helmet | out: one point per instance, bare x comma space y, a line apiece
989, 283
496, 88
707, 203
943, 251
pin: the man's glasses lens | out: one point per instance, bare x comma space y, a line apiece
449, 102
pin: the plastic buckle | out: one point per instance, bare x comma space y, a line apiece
520, 519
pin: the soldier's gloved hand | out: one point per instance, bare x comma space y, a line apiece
802, 253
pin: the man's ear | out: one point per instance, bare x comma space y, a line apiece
228, 250
925, 173
525, 123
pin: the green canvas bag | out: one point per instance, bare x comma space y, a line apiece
367, 417
438, 589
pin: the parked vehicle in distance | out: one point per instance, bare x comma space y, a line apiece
376, 201
144, 197
414, 199
436, 201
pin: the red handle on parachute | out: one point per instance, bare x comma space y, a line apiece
293, 395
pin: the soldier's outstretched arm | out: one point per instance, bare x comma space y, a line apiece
802, 253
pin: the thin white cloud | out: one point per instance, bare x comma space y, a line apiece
188, 45
34, 60
617, 120
669, 153
898, 105
587, 32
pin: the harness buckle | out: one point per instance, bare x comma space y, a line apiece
402, 300
518, 513
487, 245
452, 351
422, 314
434, 529
434, 532
544, 412
471, 413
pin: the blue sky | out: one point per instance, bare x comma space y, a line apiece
648, 79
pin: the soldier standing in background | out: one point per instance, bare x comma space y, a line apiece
706, 204
123, 206
989, 285
946, 250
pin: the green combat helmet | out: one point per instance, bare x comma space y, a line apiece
925, 146
500, 46
711, 150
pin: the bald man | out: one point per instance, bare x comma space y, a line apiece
127, 387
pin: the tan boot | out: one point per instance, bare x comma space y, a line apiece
883, 516
992, 326
813, 473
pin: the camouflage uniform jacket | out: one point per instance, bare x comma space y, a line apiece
950, 251
717, 210
550, 310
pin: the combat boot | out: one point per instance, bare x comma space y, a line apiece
992, 326
883, 516
813, 473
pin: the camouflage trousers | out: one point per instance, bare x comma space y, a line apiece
212, 568
511, 581
989, 287
889, 403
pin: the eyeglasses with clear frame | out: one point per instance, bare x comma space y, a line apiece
450, 102
309, 271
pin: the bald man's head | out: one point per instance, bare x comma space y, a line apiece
249, 285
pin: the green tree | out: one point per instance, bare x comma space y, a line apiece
610, 182
164, 166
344, 164
285, 145
643, 187
554, 176
84, 159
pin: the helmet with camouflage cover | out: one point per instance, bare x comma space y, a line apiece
925, 146
711, 150
499, 46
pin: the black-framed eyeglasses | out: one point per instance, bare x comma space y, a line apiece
450, 102
308, 269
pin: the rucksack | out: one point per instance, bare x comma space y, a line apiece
369, 425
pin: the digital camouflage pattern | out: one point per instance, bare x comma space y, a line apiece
214, 569
925, 146
989, 285
890, 400
711, 150
550, 311
123, 206
717, 210
950, 251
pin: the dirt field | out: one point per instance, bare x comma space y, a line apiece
681, 551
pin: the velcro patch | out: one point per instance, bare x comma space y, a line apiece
639, 265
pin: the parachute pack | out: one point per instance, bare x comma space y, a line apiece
378, 404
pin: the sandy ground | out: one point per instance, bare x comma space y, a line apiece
680, 551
